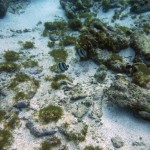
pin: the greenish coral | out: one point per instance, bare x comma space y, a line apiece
6, 139
59, 55
9, 67
50, 113
30, 63
67, 40
28, 45
11, 55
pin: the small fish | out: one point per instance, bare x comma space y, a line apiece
62, 67
81, 53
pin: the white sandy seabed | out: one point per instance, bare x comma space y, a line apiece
116, 121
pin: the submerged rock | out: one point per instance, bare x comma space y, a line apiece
22, 104
101, 74
129, 95
39, 132
117, 142
141, 43
3, 7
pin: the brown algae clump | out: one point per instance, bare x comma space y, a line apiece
28, 45
11, 55
50, 113
59, 55
6, 139
9, 67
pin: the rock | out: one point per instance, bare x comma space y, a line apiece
141, 43
39, 132
96, 110
101, 74
72, 8
81, 110
21, 104
117, 142
138, 6
3, 7
77, 93
129, 95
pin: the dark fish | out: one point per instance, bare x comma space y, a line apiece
62, 66
81, 53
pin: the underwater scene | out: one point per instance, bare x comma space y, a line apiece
74, 74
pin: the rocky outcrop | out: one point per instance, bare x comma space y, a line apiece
138, 6
141, 43
99, 36
72, 8
129, 95
3, 7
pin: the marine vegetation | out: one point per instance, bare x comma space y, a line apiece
115, 57
9, 67
49, 144
141, 76
67, 41
12, 122
22, 77
28, 45
30, 63
146, 28
56, 25
2, 114
90, 147
11, 55
75, 24
50, 113
6, 139
55, 81
76, 137
59, 55
20, 96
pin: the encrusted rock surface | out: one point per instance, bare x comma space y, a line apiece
129, 95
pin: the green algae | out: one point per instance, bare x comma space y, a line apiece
11, 55
6, 139
59, 55
9, 67
50, 113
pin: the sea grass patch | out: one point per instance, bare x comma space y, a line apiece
11, 55
50, 113
59, 55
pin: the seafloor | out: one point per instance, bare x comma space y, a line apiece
102, 102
